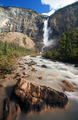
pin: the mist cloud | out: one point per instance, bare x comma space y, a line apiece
49, 13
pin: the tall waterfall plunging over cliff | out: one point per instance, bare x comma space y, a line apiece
45, 35
46, 31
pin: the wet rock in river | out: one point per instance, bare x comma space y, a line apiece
24, 73
24, 68
31, 96
76, 65
33, 69
17, 75
25, 76
40, 78
32, 63
21, 63
67, 86
43, 66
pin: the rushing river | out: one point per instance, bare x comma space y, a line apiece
52, 77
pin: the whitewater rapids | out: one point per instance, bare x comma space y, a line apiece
52, 77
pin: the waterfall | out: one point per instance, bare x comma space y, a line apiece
46, 31
45, 35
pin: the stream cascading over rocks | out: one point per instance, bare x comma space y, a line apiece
55, 75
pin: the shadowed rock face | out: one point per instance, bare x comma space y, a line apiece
34, 97
6, 109
26, 21
11, 110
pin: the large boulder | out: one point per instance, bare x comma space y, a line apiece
31, 96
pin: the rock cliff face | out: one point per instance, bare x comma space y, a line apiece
26, 21
62, 19
30, 23
18, 39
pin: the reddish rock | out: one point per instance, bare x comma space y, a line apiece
15, 110
11, 110
67, 86
35, 97
6, 109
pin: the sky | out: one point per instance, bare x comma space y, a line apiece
41, 6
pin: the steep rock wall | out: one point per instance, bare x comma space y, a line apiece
62, 19
26, 21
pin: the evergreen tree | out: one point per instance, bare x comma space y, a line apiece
68, 45
68, 49
5, 47
73, 38
63, 44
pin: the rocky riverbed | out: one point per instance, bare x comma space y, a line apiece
34, 86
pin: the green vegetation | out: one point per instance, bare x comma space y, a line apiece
24, 40
8, 55
68, 48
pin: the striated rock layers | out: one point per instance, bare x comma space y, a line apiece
26, 21
34, 97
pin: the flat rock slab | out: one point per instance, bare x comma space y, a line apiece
67, 86
31, 96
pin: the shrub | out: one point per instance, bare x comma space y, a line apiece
8, 53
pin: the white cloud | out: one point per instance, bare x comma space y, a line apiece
49, 13
56, 4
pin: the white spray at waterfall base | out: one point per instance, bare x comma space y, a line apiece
46, 30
